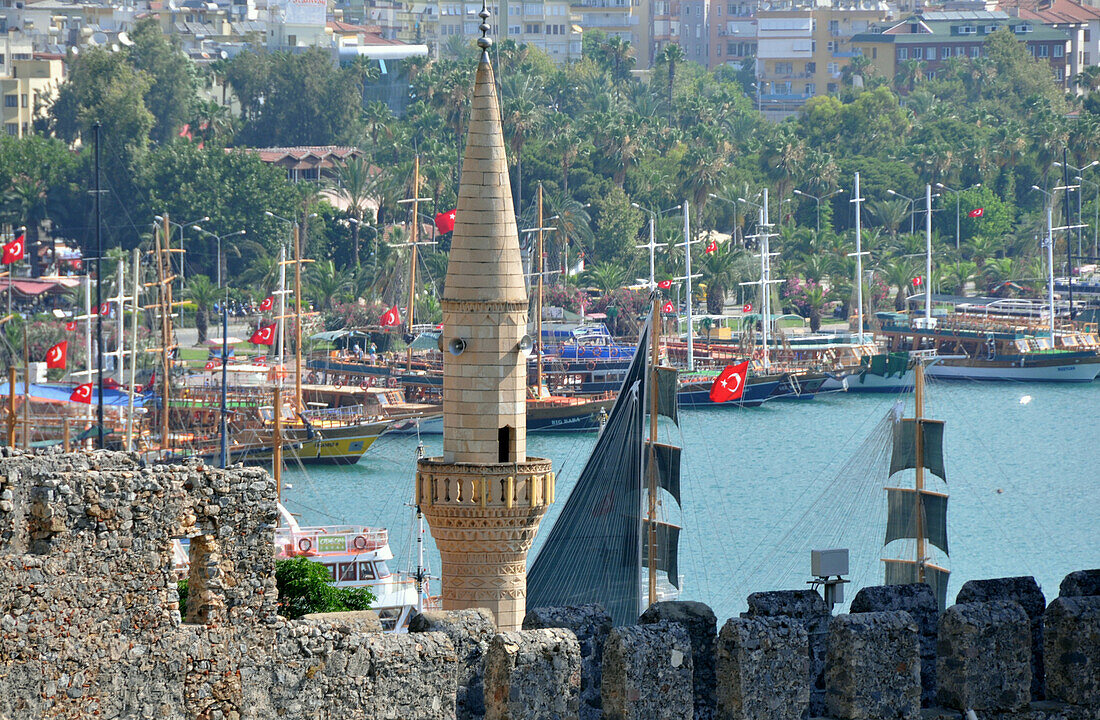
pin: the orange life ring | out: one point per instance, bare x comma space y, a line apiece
365, 384
305, 544
360, 542
591, 365
337, 384
757, 354
311, 378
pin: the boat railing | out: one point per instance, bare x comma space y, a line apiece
339, 540
346, 412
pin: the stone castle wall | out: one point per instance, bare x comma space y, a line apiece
90, 628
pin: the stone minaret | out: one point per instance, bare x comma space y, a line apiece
484, 498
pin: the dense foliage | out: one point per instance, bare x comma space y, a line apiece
609, 147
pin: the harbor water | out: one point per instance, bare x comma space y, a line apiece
763, 486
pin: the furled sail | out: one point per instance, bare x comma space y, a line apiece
905, 446
668, 467
668, 550
667, 387
901, 518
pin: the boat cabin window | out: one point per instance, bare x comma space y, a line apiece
331, 570
366, 571
382, 570
345, 572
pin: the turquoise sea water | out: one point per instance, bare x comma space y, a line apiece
762, 486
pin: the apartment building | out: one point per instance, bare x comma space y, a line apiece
732, 33
933, 37
31, 83
1080, 22
802, 52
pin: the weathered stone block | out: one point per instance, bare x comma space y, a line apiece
872, 671
360, 621
591, 624
763, 669
919, 601
470, 632
702, 629
808, 608
985, 656
1072, 639
1025, 591
533, 675
647, 673
1080, 583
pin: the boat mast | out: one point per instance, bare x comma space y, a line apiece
134, 309
538, 304
858, 200
687, 279
99, 298
164, 300
412, 257
1050, 265
27, 393
918, 372
765, 278
652, 465
277, 448
927, 258
297, 319
281, 319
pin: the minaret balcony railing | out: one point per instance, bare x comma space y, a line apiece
461, 485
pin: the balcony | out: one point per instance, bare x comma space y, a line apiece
846, 54
786, 76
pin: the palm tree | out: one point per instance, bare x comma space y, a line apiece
325, 283
720, 271
816, 299
27, 203
891, 213
899, 274
955, 278
355, 185
672, 54
204, 294
522, 116
604, 276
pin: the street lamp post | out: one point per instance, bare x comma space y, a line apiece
912, 206
958, 194
818, 200
219, 238
182, 227
1095, 217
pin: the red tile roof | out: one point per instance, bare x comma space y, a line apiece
1051, 12
342, 27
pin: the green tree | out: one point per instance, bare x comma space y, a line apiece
604, 276
171, 92
815, 299
720, 271
203, 294
306, 587
670, 55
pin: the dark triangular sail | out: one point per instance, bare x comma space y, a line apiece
592, 554
668, 550
906, 572
667, 388
668, 467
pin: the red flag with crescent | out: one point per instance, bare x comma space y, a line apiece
746, 308
391, 318
976, 212
917, 281
213, 364
264, 335
105, 309
445, 221
712, 246
14, 250
730, 384
57, 356
82, 394
665, 284
268, 303
668, 308
71, 326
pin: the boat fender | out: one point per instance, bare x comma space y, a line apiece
305, 544
312, 378
360, 543
365, 384
591, 365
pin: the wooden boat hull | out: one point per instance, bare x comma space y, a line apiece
1079, 369
696, 394
540, 418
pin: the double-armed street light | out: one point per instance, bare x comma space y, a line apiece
1080, 173
958, 193
219, 238
652, 244
911, 206
182, 227
818, 200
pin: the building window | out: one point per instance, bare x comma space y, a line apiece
976, 51
832, 88
1060, 74
834, 27
831, 46
811, 88
960, 51
945, 52
12, 128
23, 97
811, 67
903, 53
1044, 51
874, 53
833, 69
918, 53
1059, 51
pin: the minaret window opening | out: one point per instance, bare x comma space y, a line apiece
504, 444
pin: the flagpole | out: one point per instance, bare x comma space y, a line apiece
26, 391
133, 352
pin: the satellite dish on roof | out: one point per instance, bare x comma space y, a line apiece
99, 38
224, 55
125, 39
114, 47
172, 5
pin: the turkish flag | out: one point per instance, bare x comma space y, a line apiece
391, 318
668, 308
57, 355
13, 251
71, 325
105, 309
445, 221
264, 335
976, 212
712, 246
729, 385
267, 304
259, 360
82, 394
665, 284
746, 308
212, 364
917, 281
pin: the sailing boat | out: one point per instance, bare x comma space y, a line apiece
917, 513
599, 545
